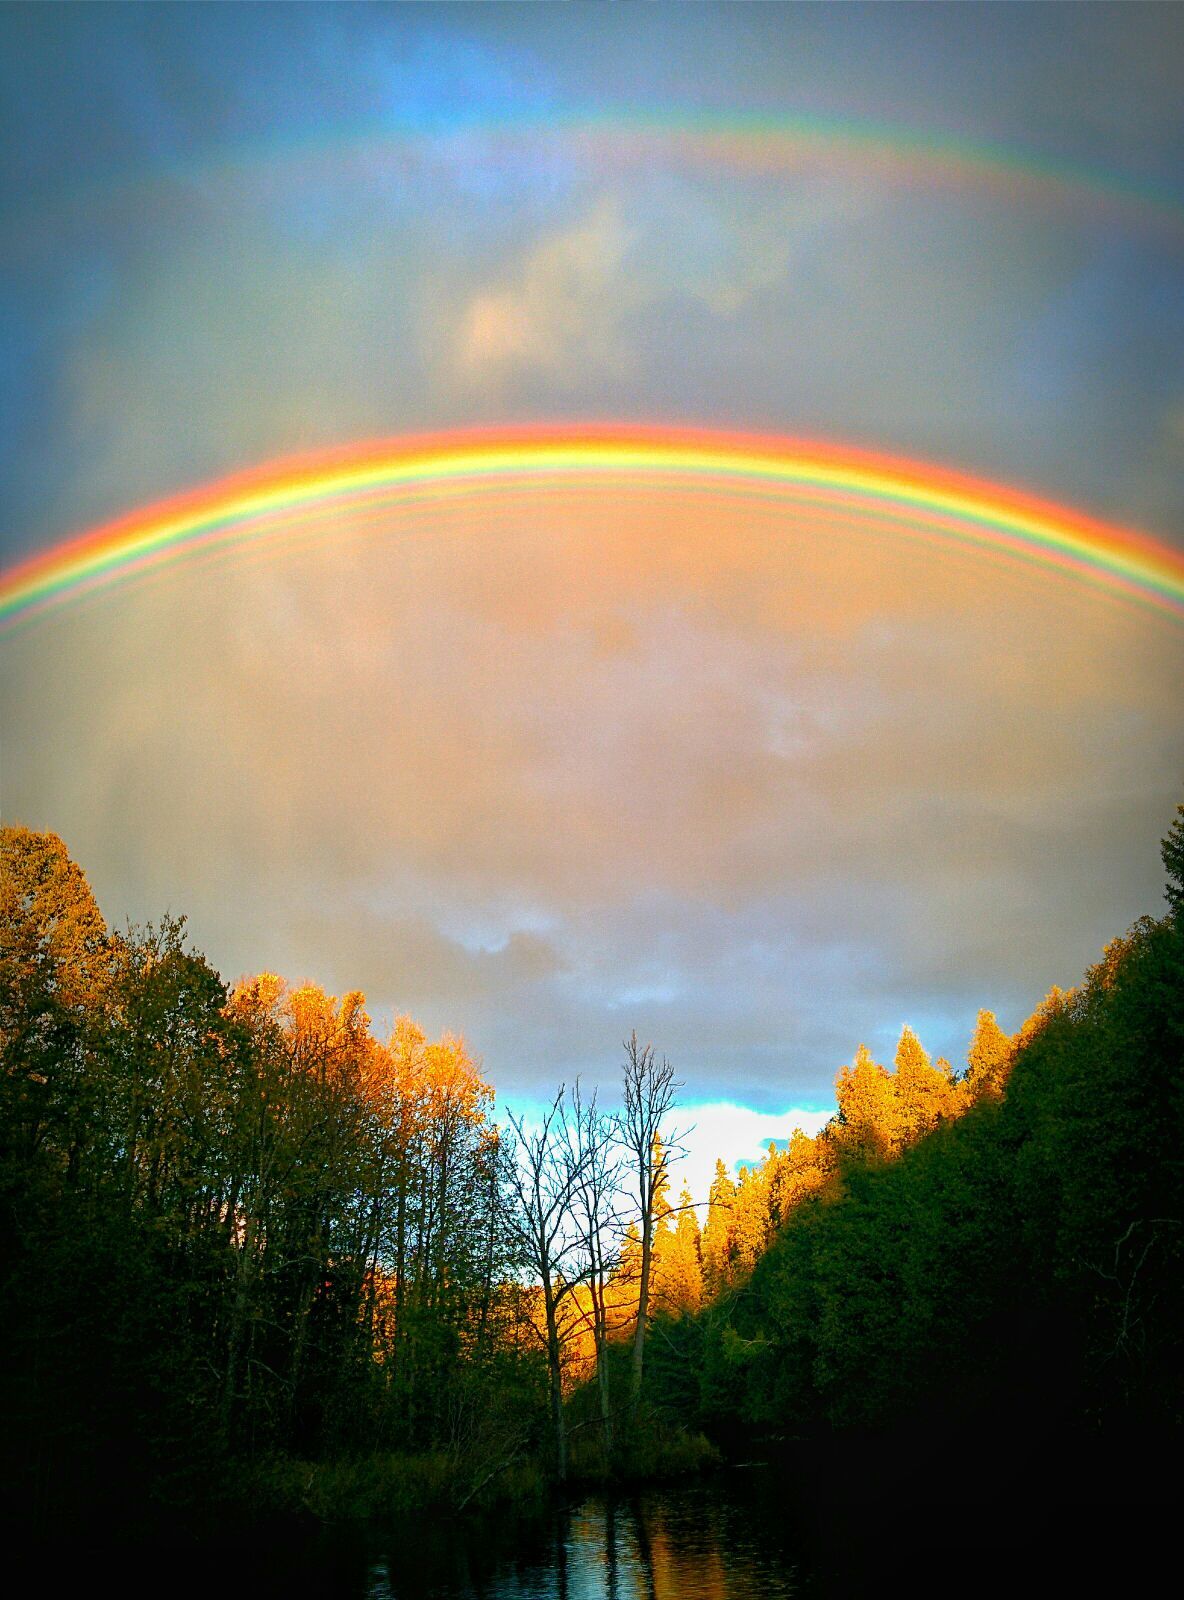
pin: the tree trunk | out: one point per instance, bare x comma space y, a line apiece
555, 1371
643, 1306
600, 1338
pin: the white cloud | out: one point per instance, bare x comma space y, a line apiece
731, 1133
719, 1130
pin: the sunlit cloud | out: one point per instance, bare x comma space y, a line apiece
559, 310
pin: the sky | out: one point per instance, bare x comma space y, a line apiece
545, 768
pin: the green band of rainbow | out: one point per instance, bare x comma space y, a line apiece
907, 498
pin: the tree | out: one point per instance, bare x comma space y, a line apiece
548, 1170
923, 1091
716, 1240
679, 1289
56, 965
596, 1188
988, 1060
649, 1089
803, 1171
1172, 852
751, 1217
866, 1125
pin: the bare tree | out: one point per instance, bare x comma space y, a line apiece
598, 1218
649, 1086
545, 1176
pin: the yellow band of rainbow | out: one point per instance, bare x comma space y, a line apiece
910, 496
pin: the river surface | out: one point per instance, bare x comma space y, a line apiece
728, 1536
739, 1534
715, 1539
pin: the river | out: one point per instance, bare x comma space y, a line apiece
715, 1539
723, 1537
757, 1533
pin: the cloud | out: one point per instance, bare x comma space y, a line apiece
558, 312
543, 769
408, 957
734, 1134
540, 768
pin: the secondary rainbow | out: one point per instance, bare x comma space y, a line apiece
751, 143
277, 503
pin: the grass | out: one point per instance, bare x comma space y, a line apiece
655, 1452
388, 1486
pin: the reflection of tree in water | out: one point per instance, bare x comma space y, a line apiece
684, 1545
611, 1586
644, 1552
691, 1549
562, 1525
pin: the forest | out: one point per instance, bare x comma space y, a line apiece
256, 1258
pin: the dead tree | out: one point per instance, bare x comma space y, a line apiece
545, 1175
597, 1216
648, 1095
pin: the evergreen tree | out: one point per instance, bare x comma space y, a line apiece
866, 1127
1172, 853
988, 1060
717, 1232
922, 1090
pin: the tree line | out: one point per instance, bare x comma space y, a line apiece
238, 1228
989, 1265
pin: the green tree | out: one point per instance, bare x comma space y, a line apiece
1172, 852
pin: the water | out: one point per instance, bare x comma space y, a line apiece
741, 1534
713, 1540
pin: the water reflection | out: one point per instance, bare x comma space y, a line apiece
696, 1543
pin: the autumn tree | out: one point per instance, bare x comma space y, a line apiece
866, 1123
716, 1250
56, 964
988, 1060
924, 1093
678, 1288
805, 1170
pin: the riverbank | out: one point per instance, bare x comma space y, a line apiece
388, 1485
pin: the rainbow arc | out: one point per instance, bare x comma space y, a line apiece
887, 495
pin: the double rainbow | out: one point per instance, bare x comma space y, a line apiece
277, 504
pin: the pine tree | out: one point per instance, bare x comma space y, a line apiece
750, 1225
1172, 852
679, 1274
867, 1124
922, 1090
716, 1240
988, 1061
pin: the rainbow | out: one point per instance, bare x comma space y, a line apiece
742, 143
275, 505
